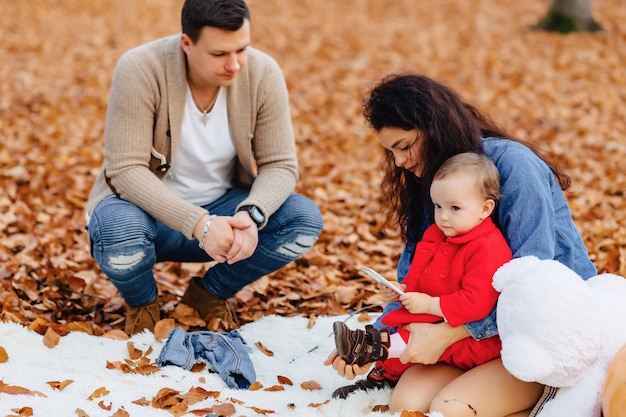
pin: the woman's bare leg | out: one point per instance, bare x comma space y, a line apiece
419, 384
524, 413
488, 390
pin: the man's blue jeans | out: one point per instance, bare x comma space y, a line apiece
127, 242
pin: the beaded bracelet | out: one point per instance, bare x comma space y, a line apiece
205, 230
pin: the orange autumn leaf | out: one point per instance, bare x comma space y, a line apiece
255, 386
4, 356
262, 411
116, 334
381, 408
170, 400
284, 380
264, 349
198, 367
162, 328
51, 338
316, 405
142, 401
59, 386
275, 388
310, 386
100, 392
104, 405
201, 394
133, 352
201, 411
22, 412
17, 390
406, 413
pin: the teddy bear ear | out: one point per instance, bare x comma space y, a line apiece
514, 270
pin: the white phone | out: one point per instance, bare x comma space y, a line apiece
382, 280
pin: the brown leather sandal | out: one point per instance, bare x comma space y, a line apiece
360, 346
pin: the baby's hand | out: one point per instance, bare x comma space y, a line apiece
390, 295
416, 302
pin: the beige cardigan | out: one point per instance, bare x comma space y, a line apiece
143, 125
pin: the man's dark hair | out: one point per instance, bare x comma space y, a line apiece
222, 14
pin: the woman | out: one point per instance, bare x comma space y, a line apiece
421, 123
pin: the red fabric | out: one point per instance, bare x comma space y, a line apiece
459, 270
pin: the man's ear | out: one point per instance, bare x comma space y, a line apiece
488, 207
185, 41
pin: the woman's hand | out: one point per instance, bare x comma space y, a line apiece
347, 371
428, 341
388, 294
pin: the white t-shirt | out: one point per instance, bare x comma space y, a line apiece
205, 160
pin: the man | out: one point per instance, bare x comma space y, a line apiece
199, 165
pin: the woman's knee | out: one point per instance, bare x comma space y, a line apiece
452, 407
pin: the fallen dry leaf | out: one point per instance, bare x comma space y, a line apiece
100, 392
201, 412
381, 408
170, 400
21, 412
17, 390
163, 328
142, 401
133, 352
275, 388
197, 394
255, 386
59, 386
262, 411
264, 349
316, 405
104, 405
405, 413
4, 356
284, 380
51, 338
310, 385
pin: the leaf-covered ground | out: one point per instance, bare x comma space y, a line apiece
566, 94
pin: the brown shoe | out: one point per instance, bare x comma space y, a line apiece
142, 317
376, 379
360, 346
217, 312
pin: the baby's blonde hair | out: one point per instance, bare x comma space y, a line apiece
485, 171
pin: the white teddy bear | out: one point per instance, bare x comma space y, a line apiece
560, 330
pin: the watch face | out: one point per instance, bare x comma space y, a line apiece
255, 214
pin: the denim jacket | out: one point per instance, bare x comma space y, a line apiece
533, 215
225, 351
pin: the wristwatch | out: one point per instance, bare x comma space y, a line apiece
255, 214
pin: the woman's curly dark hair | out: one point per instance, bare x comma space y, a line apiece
449, 126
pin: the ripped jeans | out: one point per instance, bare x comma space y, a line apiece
126, 243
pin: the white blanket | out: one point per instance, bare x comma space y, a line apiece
298, 354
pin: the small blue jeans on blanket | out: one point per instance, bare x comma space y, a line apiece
225, 351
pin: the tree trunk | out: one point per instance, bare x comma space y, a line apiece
567, 16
